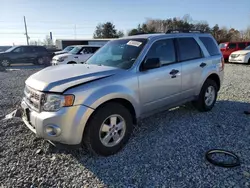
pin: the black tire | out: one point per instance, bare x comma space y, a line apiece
39, 61
248, 61
72, 62
5, 62
91, 136
200, 103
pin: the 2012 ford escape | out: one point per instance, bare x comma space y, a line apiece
98, 103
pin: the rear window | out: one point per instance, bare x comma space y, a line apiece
188, 49
210, 45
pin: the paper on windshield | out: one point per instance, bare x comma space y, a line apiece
134, 43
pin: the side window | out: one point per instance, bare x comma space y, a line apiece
164, 50
28, 49
231, 45
86, 50
39, 49
18, 50
210, 45
242, 45
94, 49
188, 49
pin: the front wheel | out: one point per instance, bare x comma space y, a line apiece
207, 96
5, 62
108, 129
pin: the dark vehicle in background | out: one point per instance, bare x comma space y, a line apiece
65, 50
229, 47
4, 48
37, 55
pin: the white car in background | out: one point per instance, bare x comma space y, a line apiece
79, 54
240, 56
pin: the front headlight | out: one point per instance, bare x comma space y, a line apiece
243, 54
54, 102
61, 59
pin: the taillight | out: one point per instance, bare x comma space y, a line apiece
222, 64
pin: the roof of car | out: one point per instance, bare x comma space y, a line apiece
156, 35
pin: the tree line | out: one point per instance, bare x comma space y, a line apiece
221, 34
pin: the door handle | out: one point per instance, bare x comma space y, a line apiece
173, 73
203, 65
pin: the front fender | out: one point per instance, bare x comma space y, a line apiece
108, 93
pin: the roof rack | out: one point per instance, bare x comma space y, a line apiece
184, 31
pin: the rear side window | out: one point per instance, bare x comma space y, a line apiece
188, 49
232, 45
210, 45
40, 49
241, 45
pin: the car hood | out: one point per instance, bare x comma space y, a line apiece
62, 55
59, 52
241, 52
60, 78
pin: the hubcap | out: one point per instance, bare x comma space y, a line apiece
40, 61
112, 130
5, 63
209, 96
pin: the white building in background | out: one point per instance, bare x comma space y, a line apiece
62, 43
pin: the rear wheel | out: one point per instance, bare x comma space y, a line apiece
5, 62
108, 129
207, 96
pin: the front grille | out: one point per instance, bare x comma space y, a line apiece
32, 98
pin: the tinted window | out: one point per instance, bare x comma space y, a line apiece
210, 45
248, 44
40, 49
94, 49
247, 48
18, 50
241, 45
164, 50
188, 49
232, 45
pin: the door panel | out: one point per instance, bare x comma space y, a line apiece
158, 88
191, 75
161, 86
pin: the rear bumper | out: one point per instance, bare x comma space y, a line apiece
69, 123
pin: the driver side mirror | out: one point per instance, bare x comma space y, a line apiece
151, 63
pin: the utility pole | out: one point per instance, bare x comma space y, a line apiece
26, 32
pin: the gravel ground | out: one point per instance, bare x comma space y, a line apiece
167, 149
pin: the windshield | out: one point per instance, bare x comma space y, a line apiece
222, 45
75, 50
118, 53
247, 48
68, 48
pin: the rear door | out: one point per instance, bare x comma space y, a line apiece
193, 62
160, 87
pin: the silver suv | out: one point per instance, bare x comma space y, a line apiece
98, 103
